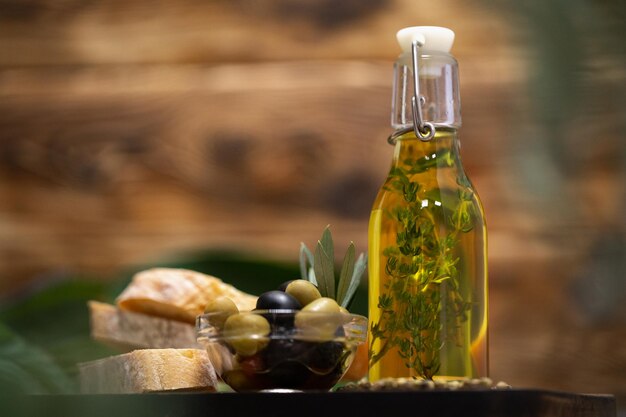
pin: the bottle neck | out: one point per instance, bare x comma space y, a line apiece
438, 75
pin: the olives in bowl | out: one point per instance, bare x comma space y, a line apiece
282, 349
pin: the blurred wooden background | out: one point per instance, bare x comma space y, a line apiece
135, 131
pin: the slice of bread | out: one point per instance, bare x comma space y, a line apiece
149, 370
178, 294
127, 330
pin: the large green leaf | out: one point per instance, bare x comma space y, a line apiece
27, 369
56, 320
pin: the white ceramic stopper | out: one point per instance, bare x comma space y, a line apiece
432, 38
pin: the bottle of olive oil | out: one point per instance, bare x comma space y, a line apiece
427, 233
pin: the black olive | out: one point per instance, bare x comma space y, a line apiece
286, 360
289, 374
279, 350
281, 322
277, 300
326, 356
323, 381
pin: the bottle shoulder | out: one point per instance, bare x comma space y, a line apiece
436, 188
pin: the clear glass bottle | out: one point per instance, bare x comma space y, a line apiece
427, 233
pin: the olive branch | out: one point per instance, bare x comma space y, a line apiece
319, 268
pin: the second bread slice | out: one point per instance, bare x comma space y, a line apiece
128, 330
178, 294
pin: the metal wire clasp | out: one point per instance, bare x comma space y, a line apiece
423, 130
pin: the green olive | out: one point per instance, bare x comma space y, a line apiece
238, 380
319, 320
303, 291
219, 309
323, 304
246, 333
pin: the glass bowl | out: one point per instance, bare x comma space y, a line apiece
278, 350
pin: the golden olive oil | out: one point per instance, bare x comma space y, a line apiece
427, 266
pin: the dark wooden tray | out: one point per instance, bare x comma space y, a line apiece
505, 403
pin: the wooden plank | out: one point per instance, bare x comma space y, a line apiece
109, 166
48, 32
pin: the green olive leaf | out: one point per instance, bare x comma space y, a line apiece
323, 266
306, 261
355, 280
346, 274
329, 249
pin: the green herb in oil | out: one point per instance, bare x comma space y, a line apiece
423, 284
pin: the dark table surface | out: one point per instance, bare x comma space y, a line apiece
497, 403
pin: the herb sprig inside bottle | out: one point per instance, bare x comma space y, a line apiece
422, 261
